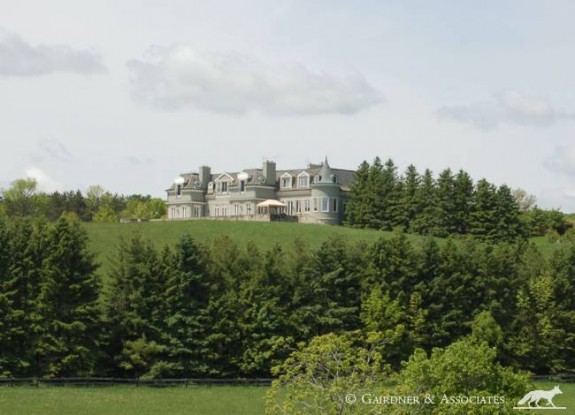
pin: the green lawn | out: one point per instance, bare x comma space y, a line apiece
104, 237
567, 399
129, 400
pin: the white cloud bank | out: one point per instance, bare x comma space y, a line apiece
19, 58
181, 76
45, 182
509, 107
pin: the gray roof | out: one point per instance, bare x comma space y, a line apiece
344, 177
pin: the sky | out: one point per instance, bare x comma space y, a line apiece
129, 94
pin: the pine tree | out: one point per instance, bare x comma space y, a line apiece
446, 207
358, 202
463, 201
187, 321
27, 247
389, 195
508, 215
483, 218
407, 210
427, 219
7, 353
135, 299
68, 303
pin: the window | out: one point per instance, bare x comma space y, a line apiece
334, 204
217, 211
325, 204
178, 190
315, 204
286, 181
197, 212
298, 206
242, 185
249, 208
306, 205
236, 209
303, 180
222, 187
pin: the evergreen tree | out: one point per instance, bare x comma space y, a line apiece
407, 211
27, 240
134, 300
68, 345
7, 353
508, 216
357, 207
483, 218
427, 219
187, 320
446, 207
462, 201
263, 322
338, 287
389, 195
375, 208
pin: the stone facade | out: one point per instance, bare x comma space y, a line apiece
316, 194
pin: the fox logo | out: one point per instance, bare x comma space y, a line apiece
536, 396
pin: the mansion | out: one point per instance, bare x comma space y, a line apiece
316, 194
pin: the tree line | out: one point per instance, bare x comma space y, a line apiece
451, 204
217, 309
23, 199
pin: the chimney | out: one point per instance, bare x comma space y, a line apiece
270, 173
205, 175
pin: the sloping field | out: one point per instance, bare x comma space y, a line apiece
104, 237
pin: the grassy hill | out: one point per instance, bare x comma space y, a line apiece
104, 237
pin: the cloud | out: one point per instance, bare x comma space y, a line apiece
508, 107
562, 161
53, 150
45, 182
19, 58
177, 77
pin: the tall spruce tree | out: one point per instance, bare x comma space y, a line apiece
27, 247
508, 216
68, 304
407, 210
483, 218
134, 302
357, 207
187, 320
446, 207
463, 201
427, 219
7, 354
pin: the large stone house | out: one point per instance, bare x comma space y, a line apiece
316, 194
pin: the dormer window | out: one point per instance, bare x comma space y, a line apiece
222, 188
223, 183
303, 180
286, 181
178, 190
